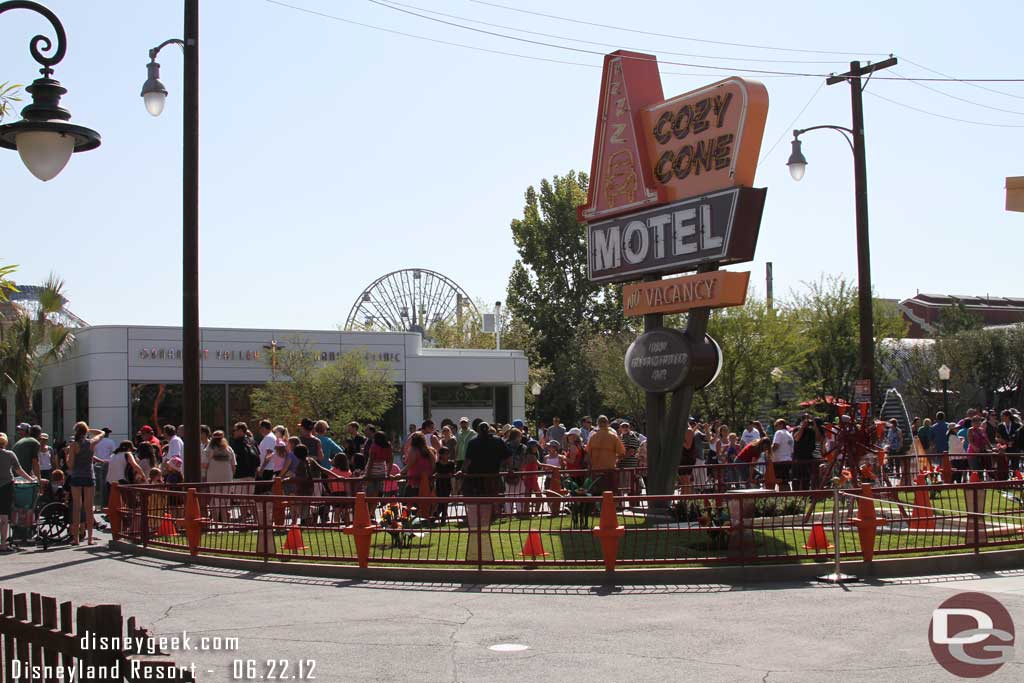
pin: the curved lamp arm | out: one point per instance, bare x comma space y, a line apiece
847, 133
41, 40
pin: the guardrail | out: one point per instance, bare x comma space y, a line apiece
736, 527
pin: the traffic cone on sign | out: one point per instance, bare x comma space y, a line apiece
817, 540
294, 540
533, 546
167, 526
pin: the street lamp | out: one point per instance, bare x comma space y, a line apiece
855, 139
154, 95
535, 390
944, 372
777, 373
44, 138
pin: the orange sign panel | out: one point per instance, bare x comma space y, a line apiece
717, 289
620, 177
705, 140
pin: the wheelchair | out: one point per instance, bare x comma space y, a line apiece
40, 516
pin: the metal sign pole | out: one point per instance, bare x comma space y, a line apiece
837, 576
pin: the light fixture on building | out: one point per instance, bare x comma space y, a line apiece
470, 386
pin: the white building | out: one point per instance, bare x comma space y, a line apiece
125, 377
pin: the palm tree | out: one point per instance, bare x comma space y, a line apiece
29, 340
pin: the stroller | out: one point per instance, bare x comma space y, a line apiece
39, 516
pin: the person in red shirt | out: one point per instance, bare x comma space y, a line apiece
750, 454
146, 435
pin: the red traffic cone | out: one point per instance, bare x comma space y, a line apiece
1019, 476
167, 526
294, 540
922, 517
974, 477
533, 546
817, 540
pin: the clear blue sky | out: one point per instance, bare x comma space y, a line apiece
333, 153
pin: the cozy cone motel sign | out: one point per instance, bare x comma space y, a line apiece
671, 190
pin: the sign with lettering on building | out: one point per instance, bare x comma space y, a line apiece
716, 289
720, 227
670, 183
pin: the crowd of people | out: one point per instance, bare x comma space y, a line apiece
474, 458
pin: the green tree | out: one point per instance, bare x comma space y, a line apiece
9, 93
606, 353
754, 340
6, 283
956, 318
349, 388
31, 339
550, 292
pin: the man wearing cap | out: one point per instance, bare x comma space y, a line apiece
604, 448
782, 451
148, 437
556, 431
26, 448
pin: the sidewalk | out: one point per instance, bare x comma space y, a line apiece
373, 631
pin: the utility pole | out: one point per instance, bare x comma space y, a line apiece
860, 176
769, 298
190, 338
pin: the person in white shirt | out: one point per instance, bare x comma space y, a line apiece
268, 440
45, 456
750, 434
102, 452
175, 446
782, 451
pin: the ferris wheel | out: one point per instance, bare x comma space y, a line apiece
410, 300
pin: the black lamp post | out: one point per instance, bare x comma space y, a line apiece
855, 138
154, 93
944, 373
44, 138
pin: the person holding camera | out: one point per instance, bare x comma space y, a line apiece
805, 441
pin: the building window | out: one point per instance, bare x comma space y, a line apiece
37, 407
213, 406
240, 405
57, 405
157, 405
502, 405
82, 402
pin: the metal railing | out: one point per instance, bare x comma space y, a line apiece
737, 527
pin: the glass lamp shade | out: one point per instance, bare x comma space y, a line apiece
155, 102
797, 163
45, 153
944, 373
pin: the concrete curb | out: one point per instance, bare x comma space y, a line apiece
726, 574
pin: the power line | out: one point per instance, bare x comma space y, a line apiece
584, 51
611, 45
676, 37
943, 116
792, 123
476, 48
968, 82
686, 64
960, 99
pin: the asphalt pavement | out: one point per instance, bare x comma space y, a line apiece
380, 631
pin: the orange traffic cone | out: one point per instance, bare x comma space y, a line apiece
1019, 476
533, 546
974, 477
817, 540
294, 540
167, 526
921, 517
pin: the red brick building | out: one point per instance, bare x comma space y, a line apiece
921, 311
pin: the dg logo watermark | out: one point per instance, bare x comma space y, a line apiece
971, 635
